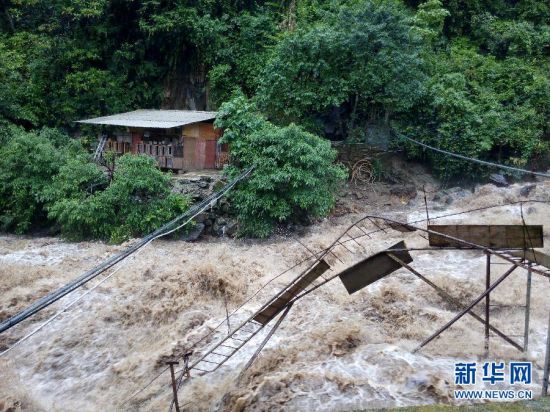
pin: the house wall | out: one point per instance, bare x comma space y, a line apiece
200, 146
191, 147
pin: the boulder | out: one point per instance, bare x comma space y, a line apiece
231, 228
219, 227
498, 179
201, 218
195, 232
526, 190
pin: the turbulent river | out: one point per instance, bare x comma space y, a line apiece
333, 352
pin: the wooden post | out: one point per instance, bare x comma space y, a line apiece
174, 388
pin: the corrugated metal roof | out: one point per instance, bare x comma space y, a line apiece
156, 119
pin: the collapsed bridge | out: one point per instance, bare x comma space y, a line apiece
514, 245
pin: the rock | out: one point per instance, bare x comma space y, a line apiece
304, 220
430, 188
531, 210
203, 184
526, 190
455, 193
231, 228
407, 190
219, 227
201, 218
195, 232
498, 179
299, 229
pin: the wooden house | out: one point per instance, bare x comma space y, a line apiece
178, 139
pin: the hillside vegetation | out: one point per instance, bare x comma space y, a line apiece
468, 76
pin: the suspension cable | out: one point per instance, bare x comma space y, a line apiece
471, 159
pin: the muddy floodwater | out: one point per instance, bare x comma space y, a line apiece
334, 352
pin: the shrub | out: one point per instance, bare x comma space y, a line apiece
137, 200
349, 66
28, 161
47, 179
294, 174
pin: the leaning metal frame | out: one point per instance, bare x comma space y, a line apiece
388, 224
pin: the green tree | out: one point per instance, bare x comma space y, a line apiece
241, 58
136, 202
429, 19
294, 176
485, 108
361, 62
28, 161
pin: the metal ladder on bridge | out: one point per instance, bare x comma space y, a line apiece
535, 259
230, 344
242, 334
99, 148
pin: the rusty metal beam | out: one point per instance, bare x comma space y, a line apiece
373, 268
535, 256
174, 388
441, 292
495, 236
270, 310
487, 301
546, 370
467, 309
527, 310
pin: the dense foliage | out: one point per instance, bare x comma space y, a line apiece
484, 108
294, 173
349, 64
462, 75
48, 179
467, 76
28, 162
136, 201
64, 60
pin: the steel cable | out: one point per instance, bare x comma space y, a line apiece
89, 275
471, 159
212, 331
